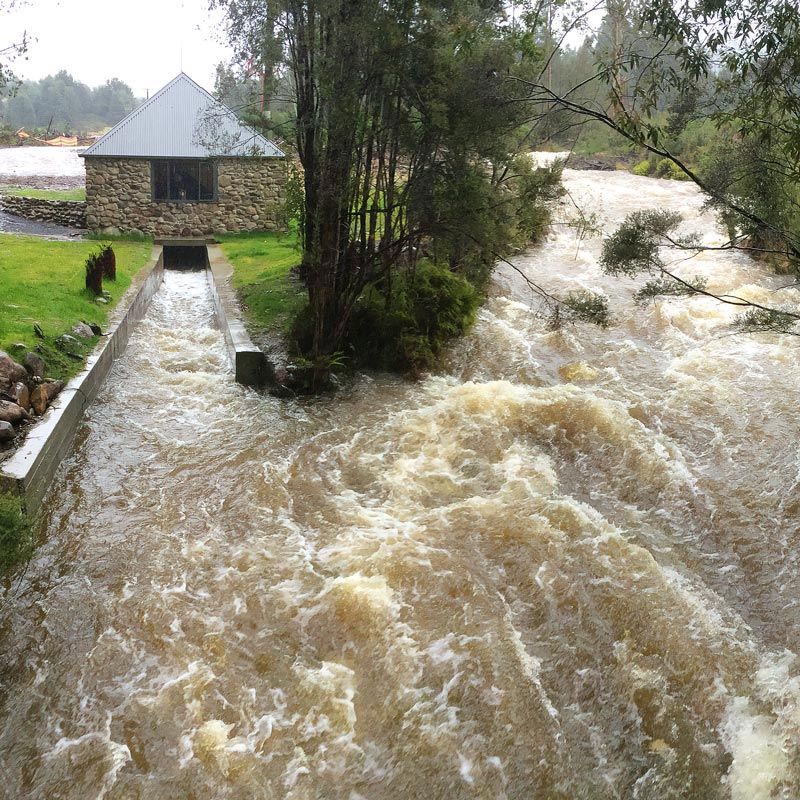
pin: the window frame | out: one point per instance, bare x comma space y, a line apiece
194, 163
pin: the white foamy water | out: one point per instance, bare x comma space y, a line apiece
47, 161
564, 568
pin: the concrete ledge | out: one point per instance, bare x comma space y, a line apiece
251, 365
30, 470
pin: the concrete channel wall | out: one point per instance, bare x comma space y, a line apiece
251, 366
30, 470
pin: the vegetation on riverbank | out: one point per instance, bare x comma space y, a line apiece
42, 283
45, 194
270, 294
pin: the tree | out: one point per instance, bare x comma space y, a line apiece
704, 61
406, 129
113, 101
9, 52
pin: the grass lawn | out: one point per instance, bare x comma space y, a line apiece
262, 279
42, 282
46, 194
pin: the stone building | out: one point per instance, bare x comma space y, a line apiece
183, 166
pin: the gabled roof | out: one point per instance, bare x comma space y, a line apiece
182, 120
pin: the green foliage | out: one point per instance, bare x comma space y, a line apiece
294, 199
635, 245
16, 534
767, 320
59, 103
667, 287
581, 306
642, 168
408, 120
743, 173
667, 168
403, 326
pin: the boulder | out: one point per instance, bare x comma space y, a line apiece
34, 365
44, 394
66, 342
11, 412
20, 394
7, 432
10, 370
82, 330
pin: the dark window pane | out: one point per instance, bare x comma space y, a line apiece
184, 180
206, 180
160, 180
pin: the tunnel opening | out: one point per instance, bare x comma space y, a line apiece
185, 256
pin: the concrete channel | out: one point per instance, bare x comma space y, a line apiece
30, 470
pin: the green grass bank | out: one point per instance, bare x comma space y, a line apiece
42, 282
270, 295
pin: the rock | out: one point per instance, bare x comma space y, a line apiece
21, 395
96, 329
101, 300
10, 370
7, 432
11, 412
44, 394
83, 330
34, 365
66, 342
19, 346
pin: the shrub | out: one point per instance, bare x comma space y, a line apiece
94, 274
15, 533
642, 168
108, 261
403, 326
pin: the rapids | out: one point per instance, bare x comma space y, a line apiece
566, 567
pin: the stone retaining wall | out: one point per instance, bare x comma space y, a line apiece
70, 213
249, 198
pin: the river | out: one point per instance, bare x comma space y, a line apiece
565, 568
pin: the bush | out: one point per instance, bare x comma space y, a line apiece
94, 274
108, 261
642, 168
403, 326
15, 534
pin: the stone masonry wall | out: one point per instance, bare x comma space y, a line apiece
71, 213
119, 199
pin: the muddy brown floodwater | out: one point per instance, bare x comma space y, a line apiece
566, 568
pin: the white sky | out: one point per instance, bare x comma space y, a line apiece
145, 43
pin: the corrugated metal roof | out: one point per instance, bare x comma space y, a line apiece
182, 120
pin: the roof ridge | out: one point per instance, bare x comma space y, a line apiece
259, 140
135, 113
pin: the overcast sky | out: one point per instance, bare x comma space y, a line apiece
145, 43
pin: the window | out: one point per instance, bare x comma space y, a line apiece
183, 180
